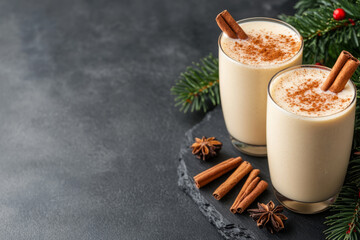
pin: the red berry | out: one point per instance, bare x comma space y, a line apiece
339, 14
319, 64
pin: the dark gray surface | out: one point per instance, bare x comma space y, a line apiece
237, 226
89, 137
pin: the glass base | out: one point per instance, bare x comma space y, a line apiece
249, 149
304, 207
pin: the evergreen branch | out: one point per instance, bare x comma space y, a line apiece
198, 86
344, 224
324, 37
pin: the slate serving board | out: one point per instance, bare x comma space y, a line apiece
236, 226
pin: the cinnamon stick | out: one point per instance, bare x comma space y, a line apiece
245, 203
249, 188
229, 26
340, 62
235, 177
250, 178
344, 75
216, 171
341, 72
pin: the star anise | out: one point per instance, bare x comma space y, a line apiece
268, 215
206, 148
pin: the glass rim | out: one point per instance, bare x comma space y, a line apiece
266, 19
302, 116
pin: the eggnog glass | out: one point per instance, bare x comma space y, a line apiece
308, 153
243, 85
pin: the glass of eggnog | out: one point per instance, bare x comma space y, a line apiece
309, 137
245, 69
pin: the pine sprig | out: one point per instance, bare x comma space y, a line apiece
344, 223
325, 37
198, 86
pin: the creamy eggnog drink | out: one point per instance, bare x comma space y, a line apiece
309, 137
245, 69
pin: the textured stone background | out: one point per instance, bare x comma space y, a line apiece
89, 137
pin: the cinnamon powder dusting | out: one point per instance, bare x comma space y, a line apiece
307, 99
299, 91
262, 48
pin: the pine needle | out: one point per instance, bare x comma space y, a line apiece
198, 87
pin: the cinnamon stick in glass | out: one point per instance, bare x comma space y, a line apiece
340, 62
344, 75
229, 26
343, 69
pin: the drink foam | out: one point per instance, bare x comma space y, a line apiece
268, 43
298, 91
